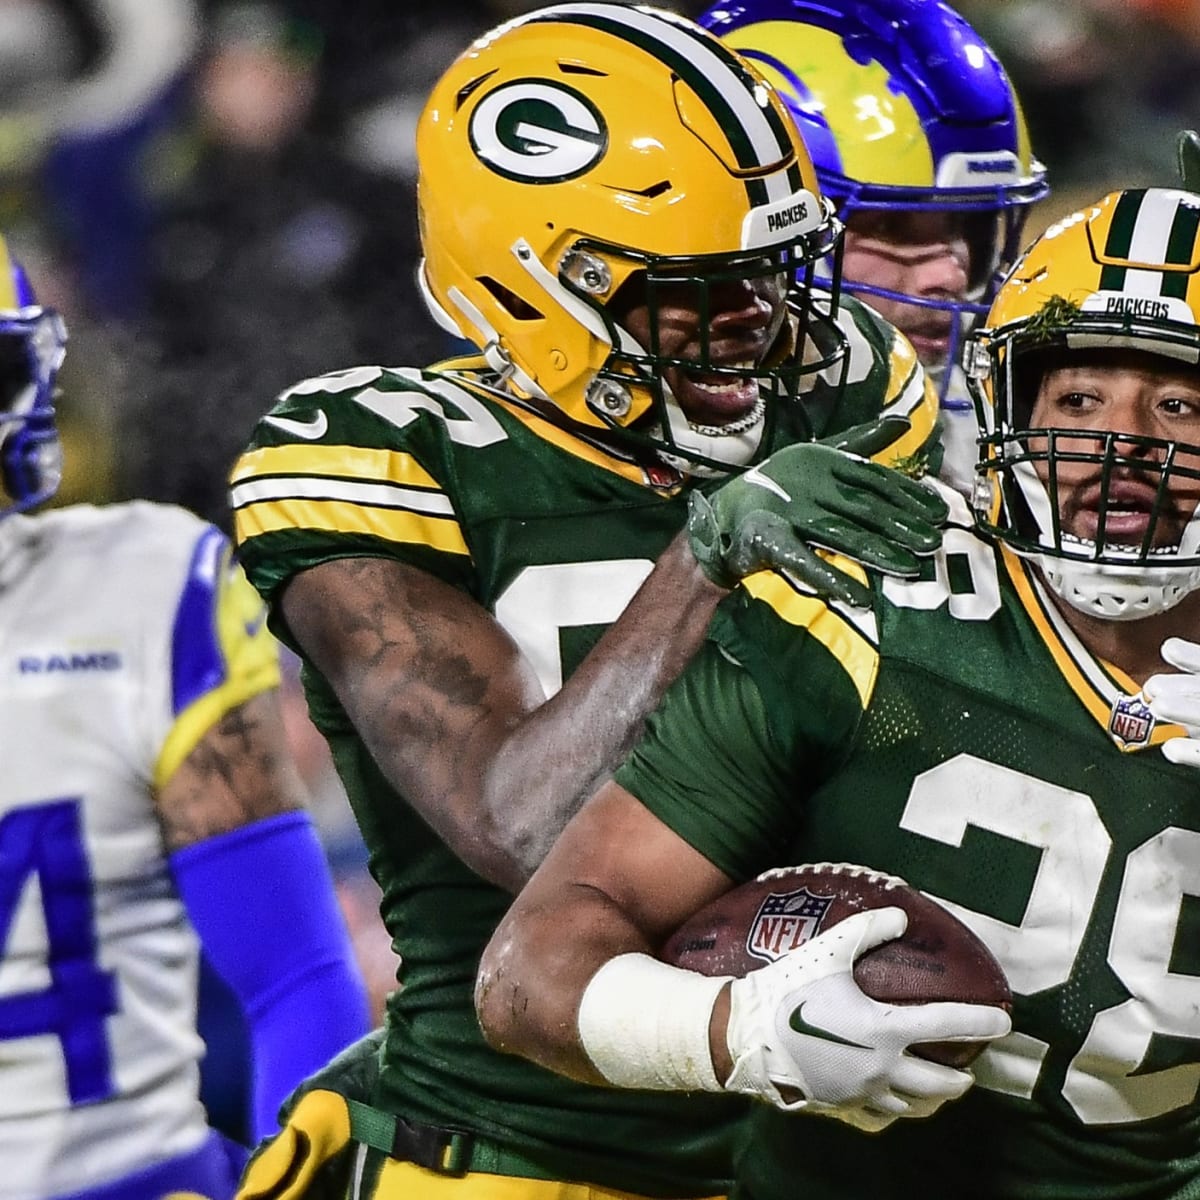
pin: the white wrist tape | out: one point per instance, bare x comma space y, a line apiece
644, 1024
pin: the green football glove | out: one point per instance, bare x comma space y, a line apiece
818, 494
1187, 150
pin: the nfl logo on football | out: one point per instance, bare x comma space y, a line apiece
784, 921
1131, 721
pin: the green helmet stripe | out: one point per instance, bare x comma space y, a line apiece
1125, 215
1112, 279
757, 134
1181, 249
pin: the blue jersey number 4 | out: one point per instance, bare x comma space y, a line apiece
47, 840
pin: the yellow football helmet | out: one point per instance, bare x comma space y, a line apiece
592, 150
1124, 274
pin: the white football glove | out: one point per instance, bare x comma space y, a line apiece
804, 1036
1176, 698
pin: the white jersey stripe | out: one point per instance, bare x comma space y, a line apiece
378, 495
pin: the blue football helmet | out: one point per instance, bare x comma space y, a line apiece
32, 343
903, 108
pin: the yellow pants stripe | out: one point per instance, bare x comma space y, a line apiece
405, 1181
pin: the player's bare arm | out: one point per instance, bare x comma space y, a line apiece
455, 716
618, 881
240, 771
570, 981
247, 863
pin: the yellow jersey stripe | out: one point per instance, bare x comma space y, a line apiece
352, 462
1080, 684
8, 286
858, 657
572, 444
1099, 705
249, 665
910, 393
203, 714
338, 516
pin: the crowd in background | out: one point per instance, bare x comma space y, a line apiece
218, 196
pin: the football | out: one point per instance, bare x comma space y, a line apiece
937, 958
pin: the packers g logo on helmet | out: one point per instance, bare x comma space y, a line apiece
538, 132
581, 161
1123, 274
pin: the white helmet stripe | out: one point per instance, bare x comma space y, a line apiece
1148, 243
1152, 229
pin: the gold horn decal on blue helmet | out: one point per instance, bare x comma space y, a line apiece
538, 132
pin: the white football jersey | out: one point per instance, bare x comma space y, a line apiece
125, 633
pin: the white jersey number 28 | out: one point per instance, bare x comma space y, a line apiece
1106, 1082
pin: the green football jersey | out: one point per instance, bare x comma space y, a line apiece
553, 536
960, 736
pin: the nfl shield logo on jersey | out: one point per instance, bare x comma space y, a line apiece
1131, 722
784, 921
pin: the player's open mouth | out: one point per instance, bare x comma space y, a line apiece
719, 399
1128, 510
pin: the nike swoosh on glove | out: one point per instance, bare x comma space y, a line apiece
818, 494
803, 1035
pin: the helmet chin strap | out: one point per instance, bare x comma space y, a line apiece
493, 353
1116, 593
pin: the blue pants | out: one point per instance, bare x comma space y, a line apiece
210, 1171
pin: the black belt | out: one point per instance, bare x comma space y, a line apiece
442, 1149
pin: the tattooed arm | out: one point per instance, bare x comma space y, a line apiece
239, 772
252, 875
455, 716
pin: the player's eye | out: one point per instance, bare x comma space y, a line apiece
1180, 406
1076, 402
